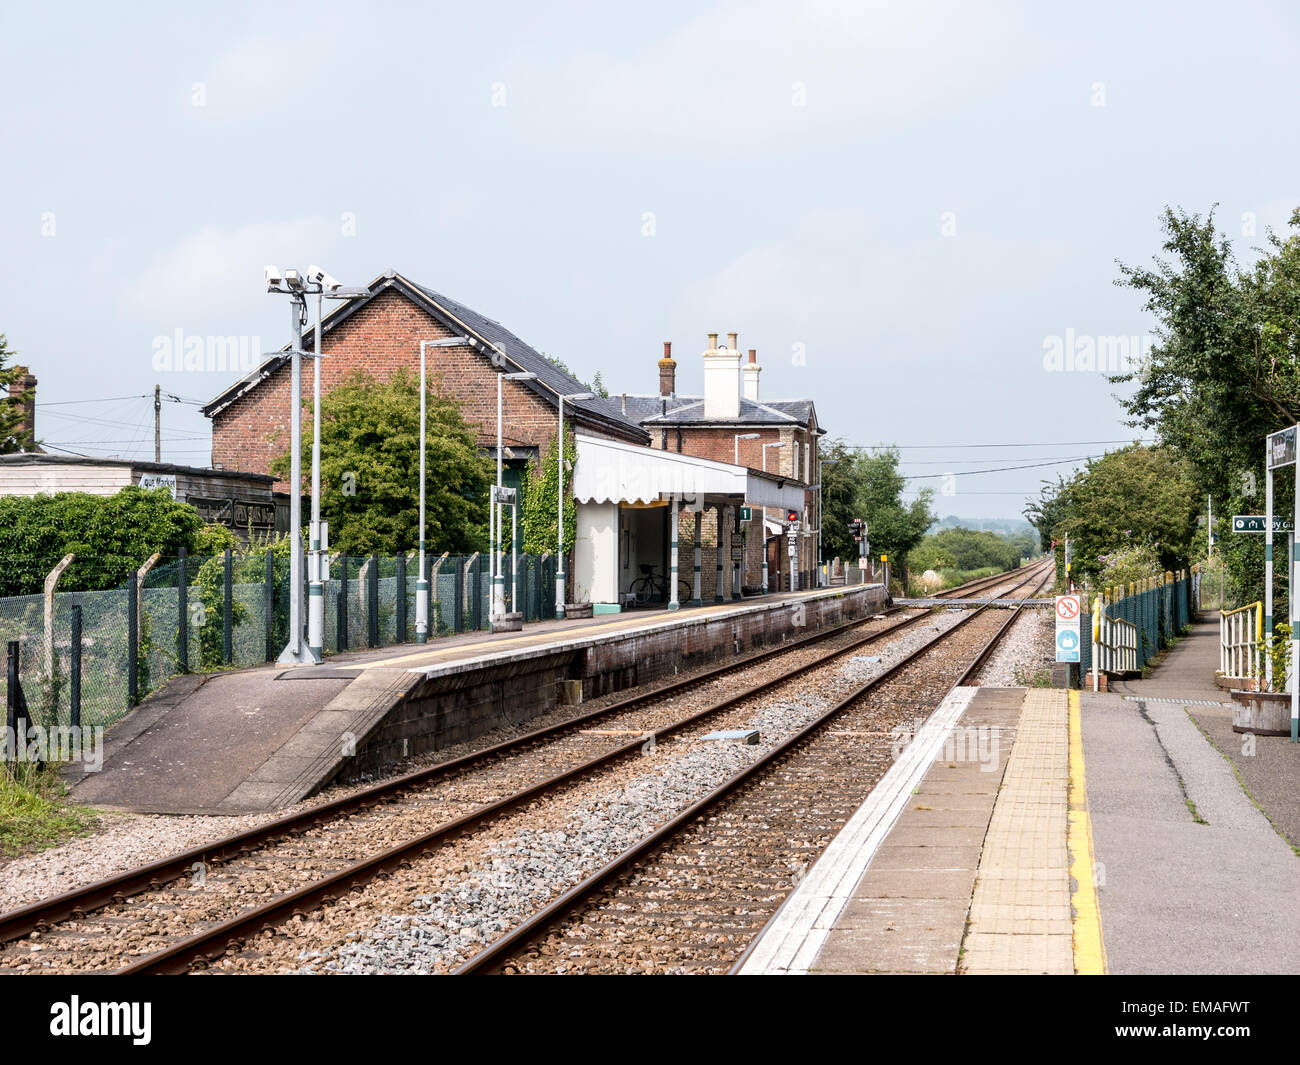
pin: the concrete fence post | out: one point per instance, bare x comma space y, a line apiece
228, 608
182, 611
400, 598
49, 685
435, 604
51, 584
140, 575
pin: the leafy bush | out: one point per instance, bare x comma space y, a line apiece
1128, 565
370, 469
110, 535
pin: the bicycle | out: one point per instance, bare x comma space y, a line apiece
654, 586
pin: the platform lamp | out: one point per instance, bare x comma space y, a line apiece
739, 438
421, 579
291, 282
498, 578
559, 461
774, 443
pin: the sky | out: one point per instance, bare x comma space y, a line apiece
906, 208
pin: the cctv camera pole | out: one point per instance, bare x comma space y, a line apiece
559, 536
295, 650
422, 581
498, 578
316, 567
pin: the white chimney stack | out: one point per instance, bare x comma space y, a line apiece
721, 380
751, 372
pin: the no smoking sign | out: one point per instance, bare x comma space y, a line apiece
1067, 628
1067, 607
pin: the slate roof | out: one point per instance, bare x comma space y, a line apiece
551, 380
655, 411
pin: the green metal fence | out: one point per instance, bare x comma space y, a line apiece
207, 613
1160, 608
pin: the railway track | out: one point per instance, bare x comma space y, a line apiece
166, 916
691, 896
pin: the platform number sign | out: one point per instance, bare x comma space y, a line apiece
1281, 448
1068, 638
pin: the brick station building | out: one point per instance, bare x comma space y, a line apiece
729, 423
380, 334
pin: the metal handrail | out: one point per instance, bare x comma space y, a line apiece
1116, 641
1240, 633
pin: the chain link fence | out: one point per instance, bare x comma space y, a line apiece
106, 650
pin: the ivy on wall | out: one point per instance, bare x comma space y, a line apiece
541, 501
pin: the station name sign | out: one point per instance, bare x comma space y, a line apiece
1254, 523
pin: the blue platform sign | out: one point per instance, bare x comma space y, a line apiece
1068, 639
1067, 646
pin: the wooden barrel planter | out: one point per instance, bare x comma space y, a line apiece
577, 610
1262, 713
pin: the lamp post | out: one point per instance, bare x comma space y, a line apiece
498, 578
421, 579
559, 536
298, 650
739, 438
774, 443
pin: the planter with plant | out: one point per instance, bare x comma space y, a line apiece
1267, 711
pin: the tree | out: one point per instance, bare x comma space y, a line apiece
370, 467
929, 555
11, 411
1137, 496
974, 549
110, 535
1223, 374
841, 501
858, 485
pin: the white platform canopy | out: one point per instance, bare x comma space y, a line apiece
608, 471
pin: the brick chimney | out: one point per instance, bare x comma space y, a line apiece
667, 371
751, 371
22, 393
721, 380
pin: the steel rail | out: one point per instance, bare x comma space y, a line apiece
969, 672
78, 902
560, 907
211, 941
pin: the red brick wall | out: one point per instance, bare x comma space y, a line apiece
380, 339
719, 444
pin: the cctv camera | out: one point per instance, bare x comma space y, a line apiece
293, 279
274, 279
319, 277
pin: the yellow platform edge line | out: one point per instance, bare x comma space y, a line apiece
1089, 947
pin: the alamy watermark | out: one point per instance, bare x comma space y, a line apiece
1084, 353
182, 353
61, 743
964, 743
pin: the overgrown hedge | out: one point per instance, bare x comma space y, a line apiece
110, 535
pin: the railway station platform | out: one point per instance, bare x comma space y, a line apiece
264, 738
1039, 831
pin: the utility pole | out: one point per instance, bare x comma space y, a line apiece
157, 423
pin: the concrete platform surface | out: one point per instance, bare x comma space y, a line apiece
893, 891
263, 738
1192, 877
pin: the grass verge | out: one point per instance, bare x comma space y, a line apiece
34, 811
